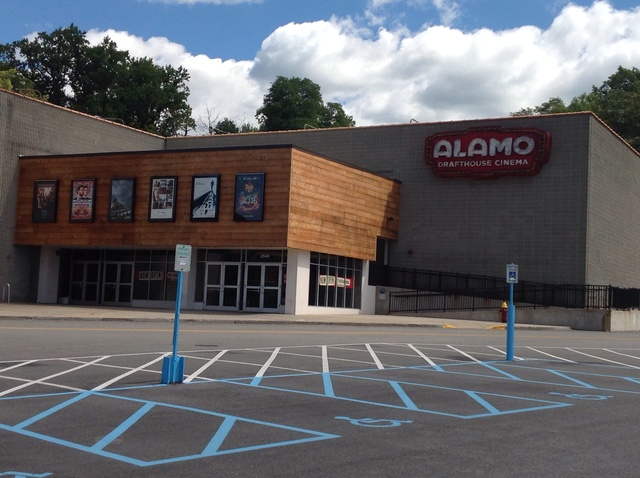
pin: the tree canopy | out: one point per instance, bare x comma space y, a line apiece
101, 80
616, 102
296, 103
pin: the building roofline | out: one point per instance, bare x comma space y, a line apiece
110, 121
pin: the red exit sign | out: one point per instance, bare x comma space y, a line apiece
488, 152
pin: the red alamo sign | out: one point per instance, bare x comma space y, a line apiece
488, 152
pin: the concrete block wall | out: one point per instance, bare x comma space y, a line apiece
459, 224
33, 127
613, 235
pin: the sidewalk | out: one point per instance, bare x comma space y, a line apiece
73, 312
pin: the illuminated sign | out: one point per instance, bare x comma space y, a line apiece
488, 152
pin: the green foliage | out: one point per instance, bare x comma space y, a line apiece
11, 79
616, 102
248, 128
226, 125
553, 106
296, 103
334, 117
103, 81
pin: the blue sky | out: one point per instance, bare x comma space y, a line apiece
386, 61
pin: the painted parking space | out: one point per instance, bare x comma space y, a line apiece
367, 385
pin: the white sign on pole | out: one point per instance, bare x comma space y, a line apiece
512, 273
183, 258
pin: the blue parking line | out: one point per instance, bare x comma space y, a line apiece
571, 379
123, 427
221, 434
52, 410
403, 395
210, 450
500, 371
408, 404
492, 410
328, 385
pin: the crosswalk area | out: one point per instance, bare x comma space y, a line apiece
365, 384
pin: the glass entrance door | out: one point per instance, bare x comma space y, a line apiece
117, 283
263, 285
222, 286
84, 282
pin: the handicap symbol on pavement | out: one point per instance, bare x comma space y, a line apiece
374, 423
18, 474
579, 396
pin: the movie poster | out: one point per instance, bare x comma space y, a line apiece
204, 197
45, 201
83, 193
122, 200
249, 197
162, 199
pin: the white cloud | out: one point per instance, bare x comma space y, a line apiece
393, 75
442, 73
218, 88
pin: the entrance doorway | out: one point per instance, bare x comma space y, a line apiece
263, 287
222, 286
117, 283
85, 278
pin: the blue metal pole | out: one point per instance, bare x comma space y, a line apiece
173, 366
176, 322
511, 320
175, 361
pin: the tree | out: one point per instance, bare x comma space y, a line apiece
334, 117
11, 79
226, 125
296, 103
616, 102
102, 80
553, 106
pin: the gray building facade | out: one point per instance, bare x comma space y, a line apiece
574, 222
33, 127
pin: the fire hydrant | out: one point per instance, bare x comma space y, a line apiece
503, 313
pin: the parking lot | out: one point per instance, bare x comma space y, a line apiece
85, 399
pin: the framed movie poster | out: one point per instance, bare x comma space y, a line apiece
162, 200
83, 195
205, 191
45, 201
249, 197
122, 199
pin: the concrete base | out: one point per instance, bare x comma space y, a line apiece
172, 369
622, 321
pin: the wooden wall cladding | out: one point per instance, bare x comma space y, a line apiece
310, 203
338, 208
272, 232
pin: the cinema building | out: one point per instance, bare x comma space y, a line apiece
291, 222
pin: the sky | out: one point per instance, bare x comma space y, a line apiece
384, 61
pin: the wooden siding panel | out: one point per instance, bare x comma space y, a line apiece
338, 209
310, 203
271, 232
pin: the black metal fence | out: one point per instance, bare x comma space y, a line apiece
432, 290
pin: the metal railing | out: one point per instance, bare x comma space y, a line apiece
433, 290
